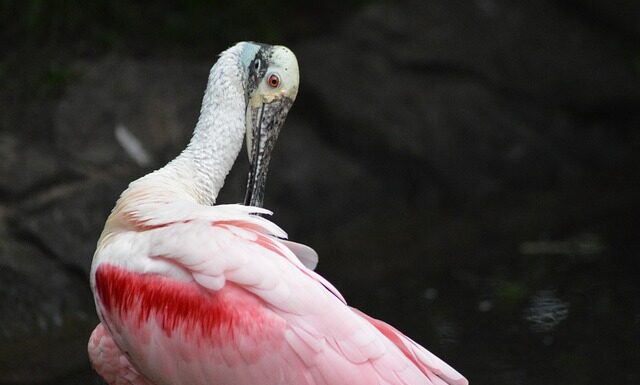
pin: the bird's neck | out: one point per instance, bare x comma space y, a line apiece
200, 170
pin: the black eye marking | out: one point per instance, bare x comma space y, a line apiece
258, 67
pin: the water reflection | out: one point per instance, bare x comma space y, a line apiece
546, 311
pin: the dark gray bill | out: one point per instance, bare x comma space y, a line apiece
266, 123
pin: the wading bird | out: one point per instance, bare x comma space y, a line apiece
191, 293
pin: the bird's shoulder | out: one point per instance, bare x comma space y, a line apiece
209, 244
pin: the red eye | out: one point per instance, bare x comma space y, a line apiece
274, 80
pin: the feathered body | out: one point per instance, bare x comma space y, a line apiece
190, 293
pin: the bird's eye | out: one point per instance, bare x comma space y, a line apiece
256, 65
273, 81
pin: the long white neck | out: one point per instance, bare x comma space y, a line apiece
200, 170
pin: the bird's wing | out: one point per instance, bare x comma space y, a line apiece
141, 213
274, 312
421, 357
110, 363
305, 254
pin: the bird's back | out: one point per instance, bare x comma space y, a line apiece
210, 296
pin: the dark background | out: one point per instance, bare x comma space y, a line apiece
467, 170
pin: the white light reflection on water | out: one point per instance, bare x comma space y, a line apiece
546, 311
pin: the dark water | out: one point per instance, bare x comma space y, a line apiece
529, 288
541, 290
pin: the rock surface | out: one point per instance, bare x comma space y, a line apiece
67, 222
491, 94
46, 313
156, 102
25, 165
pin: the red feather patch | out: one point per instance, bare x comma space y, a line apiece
221, 316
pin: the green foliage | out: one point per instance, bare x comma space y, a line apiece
40, 38
144, 27
511, 292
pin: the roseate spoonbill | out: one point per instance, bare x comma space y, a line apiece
190, 293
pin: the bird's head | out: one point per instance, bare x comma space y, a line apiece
271, 87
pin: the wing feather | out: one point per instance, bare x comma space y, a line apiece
110, 362
324, 342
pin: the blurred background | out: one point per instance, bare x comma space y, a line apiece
467, 170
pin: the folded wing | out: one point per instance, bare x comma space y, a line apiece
229, 302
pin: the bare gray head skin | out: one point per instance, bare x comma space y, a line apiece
271, 85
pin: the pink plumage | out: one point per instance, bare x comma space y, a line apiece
190, 293
271, 320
